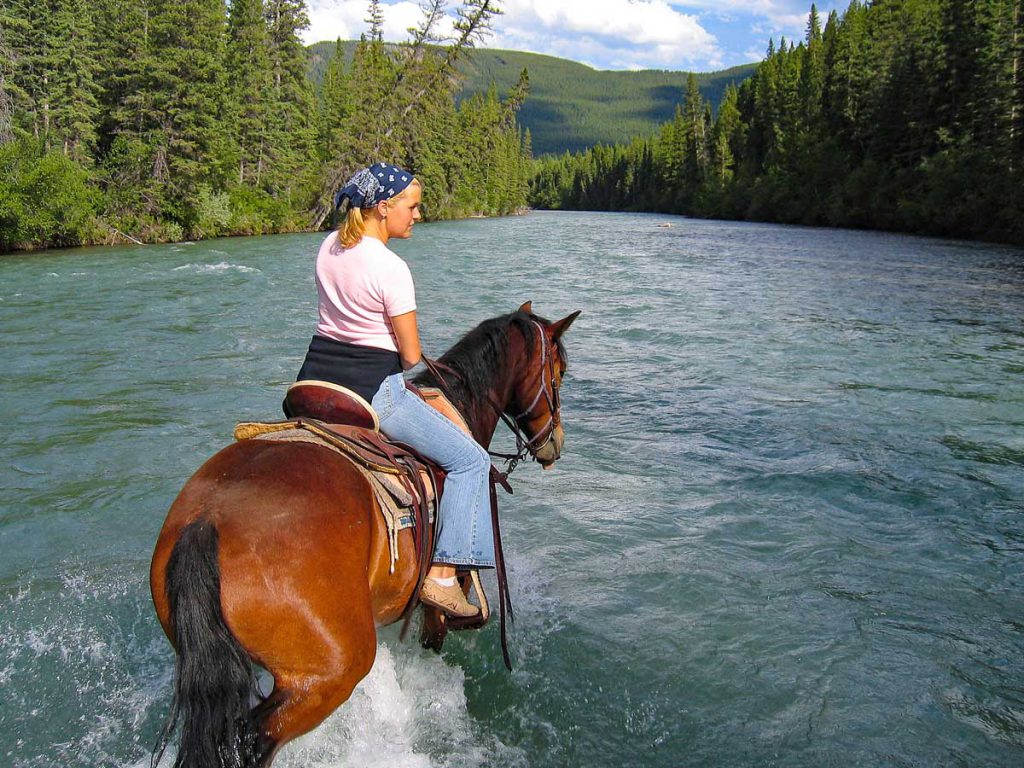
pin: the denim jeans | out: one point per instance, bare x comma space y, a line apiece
464, 534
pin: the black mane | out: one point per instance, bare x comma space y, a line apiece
480, 355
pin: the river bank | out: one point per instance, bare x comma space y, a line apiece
169, 235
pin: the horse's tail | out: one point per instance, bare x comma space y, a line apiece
214, 680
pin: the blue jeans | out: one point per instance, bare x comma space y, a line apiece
464, 534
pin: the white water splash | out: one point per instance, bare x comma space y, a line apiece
84, 648
409, 712
222, 266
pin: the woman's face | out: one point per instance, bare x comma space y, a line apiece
403, 212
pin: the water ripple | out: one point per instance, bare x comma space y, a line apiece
787, 528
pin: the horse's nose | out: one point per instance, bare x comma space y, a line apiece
553, 450
559, 440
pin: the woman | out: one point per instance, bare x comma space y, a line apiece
367, 335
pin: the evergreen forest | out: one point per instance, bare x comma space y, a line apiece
161, 120
904, 115
572, 106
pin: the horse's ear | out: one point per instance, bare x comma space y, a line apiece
561, 326
527, 308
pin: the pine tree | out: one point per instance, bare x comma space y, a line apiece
994, 90
250, 97
376, 21
812, 73
403, 90
375, 71
848, 78
122, 34
32, 48
10, 93
336, 104
516, 97
292, 125
727, 126
671, 159
695, 137
181, 100
74, 91
1015, 127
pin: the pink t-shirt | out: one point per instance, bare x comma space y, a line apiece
359, 290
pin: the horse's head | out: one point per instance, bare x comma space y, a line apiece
535, 404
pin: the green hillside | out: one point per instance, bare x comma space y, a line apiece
572, 106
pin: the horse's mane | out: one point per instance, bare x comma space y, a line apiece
480, 355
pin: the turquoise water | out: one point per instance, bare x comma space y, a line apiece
787, 527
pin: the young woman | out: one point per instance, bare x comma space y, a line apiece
367, 335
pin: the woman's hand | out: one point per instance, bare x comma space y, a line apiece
407, 335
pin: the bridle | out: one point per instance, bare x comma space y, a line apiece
547, 388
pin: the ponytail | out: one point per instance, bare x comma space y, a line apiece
350, 231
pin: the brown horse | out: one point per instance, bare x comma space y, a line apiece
275, 554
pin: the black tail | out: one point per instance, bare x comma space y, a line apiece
214, 680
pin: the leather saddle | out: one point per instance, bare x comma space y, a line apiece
345, 420
329, 403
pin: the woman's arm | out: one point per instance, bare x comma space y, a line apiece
408, 337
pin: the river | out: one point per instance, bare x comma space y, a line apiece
787, 528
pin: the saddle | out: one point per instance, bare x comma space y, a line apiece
338, 418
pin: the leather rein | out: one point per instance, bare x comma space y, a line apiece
547, 387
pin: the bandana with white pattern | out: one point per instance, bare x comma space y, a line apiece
381, 181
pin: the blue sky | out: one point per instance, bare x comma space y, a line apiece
698, 35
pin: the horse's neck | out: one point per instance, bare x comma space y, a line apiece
482, 415
484, 410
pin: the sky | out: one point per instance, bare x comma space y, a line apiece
692, 35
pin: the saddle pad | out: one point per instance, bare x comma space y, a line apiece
350, 440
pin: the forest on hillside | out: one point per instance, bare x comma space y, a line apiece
161, 120
572, 106
904, 115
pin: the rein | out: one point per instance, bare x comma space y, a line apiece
524, 447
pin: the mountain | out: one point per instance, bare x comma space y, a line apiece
572, 106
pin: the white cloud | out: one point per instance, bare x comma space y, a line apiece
755, 54
331, 19
766, 9
792, 26
787, 17
617, 33
607, 34
620, 34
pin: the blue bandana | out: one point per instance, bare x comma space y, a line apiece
381, 181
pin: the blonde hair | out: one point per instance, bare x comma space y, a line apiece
351, 229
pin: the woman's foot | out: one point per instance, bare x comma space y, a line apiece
450, 599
